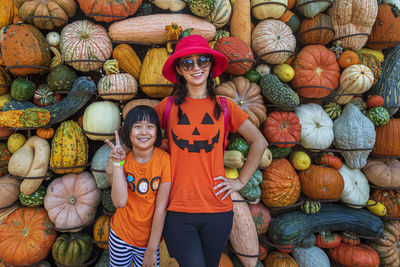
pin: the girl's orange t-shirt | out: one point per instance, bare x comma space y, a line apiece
133, 222
196, 147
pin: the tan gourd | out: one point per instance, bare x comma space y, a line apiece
150, 29
31, 160
243, 236
233, 159
240, 25
151, 73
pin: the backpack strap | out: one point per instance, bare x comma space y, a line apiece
170, 100
224, 107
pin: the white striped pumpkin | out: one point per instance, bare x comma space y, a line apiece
221, 14
271, 36
83, 40
355, 79
117, 83
268, 9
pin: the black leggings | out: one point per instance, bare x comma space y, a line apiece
197, 239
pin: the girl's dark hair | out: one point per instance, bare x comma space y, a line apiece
181, 90
139, 113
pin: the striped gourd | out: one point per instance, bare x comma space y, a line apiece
372, 62
355, 79
69, 148
268, 9
310, 207
388, 86
318, 30
291, 19
333, 109
117, 83
221, 14
82, 41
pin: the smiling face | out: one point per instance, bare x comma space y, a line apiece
143, 135
196, 76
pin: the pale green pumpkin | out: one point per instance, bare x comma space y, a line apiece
98, 166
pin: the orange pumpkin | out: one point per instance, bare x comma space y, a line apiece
347, 58
261, 217
45, 133
136, 102
387, 141
374, 101
279, 259
108, 11
101, 231
282, 127
291, 4
225, 261
350, 255
319, 182
239, 54
318, 30
391, 200
316, 72
386, 30
280, 186
24, 45
26, 237
247, 96
4, 131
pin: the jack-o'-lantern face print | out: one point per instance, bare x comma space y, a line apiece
193, 143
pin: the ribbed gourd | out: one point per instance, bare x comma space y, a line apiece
69, 148
353, 130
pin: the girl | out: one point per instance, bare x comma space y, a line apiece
140, 185
199, 216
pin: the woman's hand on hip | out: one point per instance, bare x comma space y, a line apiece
150, 258
227, 186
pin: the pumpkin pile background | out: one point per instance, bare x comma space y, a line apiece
294, 68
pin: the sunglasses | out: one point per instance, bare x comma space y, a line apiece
188, 64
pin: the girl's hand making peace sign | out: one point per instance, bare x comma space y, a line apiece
117, 153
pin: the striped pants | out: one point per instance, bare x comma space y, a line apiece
123, 254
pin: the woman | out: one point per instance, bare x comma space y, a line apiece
199, 216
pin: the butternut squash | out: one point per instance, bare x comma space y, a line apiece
240, 26
128, 60
243, 236
150, 29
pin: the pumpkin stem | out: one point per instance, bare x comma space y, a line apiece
72, 200
84, 35
25, 232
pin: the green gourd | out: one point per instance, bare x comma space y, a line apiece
72, 248
277, 92
379, 116
252, 190
353, 130
66, 107
202, 8
61, 78
98, 166
310, 9
290, 228
241, 145
22, 89
33, 200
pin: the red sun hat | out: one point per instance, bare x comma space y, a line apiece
193, 44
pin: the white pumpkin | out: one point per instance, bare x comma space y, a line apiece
173, 5
101, 118
316, 126
273, 41
310, 257
53, 38
355, 79
221, 14
268, 9
356, 187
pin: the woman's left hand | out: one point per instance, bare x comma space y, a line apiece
227, 185
150, 258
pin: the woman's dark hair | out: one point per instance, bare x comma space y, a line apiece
181, 90
139, 113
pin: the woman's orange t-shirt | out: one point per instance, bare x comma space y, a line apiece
196, 147
133, 222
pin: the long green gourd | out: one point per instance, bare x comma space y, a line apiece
66, 107
290, 228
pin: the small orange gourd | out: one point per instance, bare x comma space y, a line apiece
347, 58
45, 133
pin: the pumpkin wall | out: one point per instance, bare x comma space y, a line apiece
324, 93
